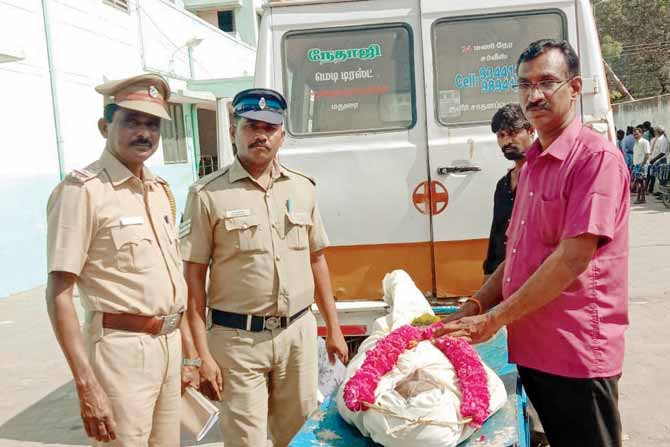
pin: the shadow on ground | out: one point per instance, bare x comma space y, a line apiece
55, 420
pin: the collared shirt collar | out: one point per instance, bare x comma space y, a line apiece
118, 172
238, 172
561, 146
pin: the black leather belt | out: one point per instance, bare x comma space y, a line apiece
253, 323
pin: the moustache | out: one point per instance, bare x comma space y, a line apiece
141, 142
509, 147
258, 144
537, 106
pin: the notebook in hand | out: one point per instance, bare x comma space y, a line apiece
198, 414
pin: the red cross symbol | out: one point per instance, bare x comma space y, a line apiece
432, 201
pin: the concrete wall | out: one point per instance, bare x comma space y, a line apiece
91, 42
209, 16
656, 110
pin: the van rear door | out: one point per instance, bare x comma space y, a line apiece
352, 73
470, 54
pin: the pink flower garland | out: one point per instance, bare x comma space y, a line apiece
360, 389
475, 400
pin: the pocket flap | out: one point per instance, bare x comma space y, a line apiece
241, 223
297, 218
128, 234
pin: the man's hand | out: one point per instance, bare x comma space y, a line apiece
96, 413
467, 309
190, 376
476, 329
211, 380
337, 346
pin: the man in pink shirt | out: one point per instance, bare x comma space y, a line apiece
562, 290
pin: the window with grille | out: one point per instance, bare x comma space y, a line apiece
173, 135
119, 4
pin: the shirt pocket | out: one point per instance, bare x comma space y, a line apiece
550, 220
244, 233
297, 230
134, 248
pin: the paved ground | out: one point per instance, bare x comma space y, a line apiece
39, 406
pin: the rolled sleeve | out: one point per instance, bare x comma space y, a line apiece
70, 225
195, 230
595, 198
318, 239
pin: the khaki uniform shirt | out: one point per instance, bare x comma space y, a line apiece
117, 234
257, 242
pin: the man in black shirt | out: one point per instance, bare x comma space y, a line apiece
515, 134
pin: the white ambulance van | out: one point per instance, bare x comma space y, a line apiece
390, 103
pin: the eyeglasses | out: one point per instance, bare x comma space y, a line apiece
548, 87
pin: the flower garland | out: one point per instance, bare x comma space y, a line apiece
359, 391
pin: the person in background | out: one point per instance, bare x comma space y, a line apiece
619, 140
628, 143
659, 150
641, 154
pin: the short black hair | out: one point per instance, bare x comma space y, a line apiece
110, 109
620, 134
629, 130
509, 117
539, 47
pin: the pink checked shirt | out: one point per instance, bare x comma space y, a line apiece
578, 185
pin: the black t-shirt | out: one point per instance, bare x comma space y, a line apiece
503, 202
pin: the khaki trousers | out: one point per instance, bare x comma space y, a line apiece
141, 375
270, 381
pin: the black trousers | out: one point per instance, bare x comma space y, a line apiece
575, 412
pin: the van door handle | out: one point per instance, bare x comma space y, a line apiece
446, 170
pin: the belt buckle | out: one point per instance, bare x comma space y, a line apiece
170, 323
272, 323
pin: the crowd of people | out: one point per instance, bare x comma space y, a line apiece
646, 149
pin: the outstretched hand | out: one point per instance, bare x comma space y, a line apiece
475, 329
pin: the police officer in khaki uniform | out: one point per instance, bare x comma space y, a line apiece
111, 231
256, 226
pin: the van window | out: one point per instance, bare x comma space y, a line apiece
475, 62
349, 80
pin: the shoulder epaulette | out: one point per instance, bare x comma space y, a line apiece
160, 179
300, 174
85, 174
204, 181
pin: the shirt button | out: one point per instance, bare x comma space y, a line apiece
532, 193
278, 258
509, 279
523, 222
514, 250
245, 226
267, 195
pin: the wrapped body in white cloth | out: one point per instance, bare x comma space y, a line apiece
418, 401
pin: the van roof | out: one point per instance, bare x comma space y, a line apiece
282, 3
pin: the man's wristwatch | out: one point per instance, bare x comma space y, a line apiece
192, 362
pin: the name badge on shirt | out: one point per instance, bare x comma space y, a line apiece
132, 220
238, 213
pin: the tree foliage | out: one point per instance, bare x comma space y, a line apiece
635, 42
